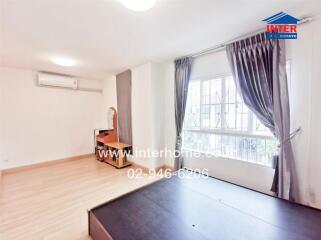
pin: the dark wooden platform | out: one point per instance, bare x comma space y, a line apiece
198, 208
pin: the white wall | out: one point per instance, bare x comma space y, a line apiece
157, 94
109, 93
40, 124
210, 65
305, 54
146, 113
169, 111
2, 114
109, 97
253, 176
141, 112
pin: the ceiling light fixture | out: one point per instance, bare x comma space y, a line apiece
138, 5
63, 61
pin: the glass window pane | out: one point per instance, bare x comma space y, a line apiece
192, 112
205, 117
230, 90
259, 127
205, 102
206, 88
237, 116
216, 91
251, 149
207, 99
206, 109
215, 116
230, 117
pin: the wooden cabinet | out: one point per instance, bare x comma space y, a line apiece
116, 154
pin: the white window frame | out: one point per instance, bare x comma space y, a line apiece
250, 133
223, 130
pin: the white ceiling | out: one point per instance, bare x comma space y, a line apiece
106, 38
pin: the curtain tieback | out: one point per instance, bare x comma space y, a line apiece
178, 141
292, 135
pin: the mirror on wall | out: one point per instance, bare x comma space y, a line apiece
110, 118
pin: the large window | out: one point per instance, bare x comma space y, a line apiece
218, 122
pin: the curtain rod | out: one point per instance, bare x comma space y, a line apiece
222, 46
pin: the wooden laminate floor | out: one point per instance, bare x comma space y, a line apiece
51, 202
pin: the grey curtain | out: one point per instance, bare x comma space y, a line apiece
182, 78
124, 106
259, 69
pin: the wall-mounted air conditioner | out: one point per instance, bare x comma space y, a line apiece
52, 80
